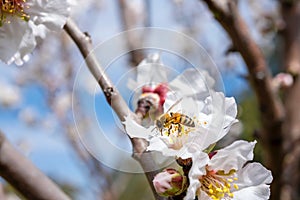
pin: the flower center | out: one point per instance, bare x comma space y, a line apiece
178, 133
11, 8
218, 185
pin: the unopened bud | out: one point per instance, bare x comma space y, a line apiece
170, 182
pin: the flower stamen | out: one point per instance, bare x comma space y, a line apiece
218, 185
11, 8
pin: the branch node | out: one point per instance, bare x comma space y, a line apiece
88, 37
109, 92
260, 75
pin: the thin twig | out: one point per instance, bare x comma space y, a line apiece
24, 176
83, 42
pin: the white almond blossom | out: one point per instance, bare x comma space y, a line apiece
203, 115
24, 22
212, 120
223, 175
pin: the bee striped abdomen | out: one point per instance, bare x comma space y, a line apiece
178, 118
187, 121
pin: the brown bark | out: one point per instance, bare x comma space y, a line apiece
290, 11
271, 108
130, 20
24, 176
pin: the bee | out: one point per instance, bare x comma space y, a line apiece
169, 120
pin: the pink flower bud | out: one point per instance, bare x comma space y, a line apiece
169, 183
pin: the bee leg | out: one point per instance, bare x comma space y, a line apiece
170, 129
179, 129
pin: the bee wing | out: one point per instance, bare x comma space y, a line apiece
175, 104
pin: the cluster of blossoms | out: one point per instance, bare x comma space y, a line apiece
24, 22
190, 118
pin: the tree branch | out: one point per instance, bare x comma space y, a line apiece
83, 42
24, 176
271, 108
131, 19
290, 11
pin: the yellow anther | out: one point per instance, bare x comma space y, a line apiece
236, 186
214, 198
226, 190
230, 180
12, 8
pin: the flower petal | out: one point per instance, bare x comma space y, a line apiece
149, 71
18, 38
233, 156
157, 144
134, 130
254, 174
53, 14
221, 113
10, 39
192, 189
200, 160
260, 192
192, 82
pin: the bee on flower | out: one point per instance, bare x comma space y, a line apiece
193, 116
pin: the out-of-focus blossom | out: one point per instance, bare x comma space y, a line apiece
62, 103
151, 73
169, 182
224, 175
10, 96
282, 80
24, 22
29, 115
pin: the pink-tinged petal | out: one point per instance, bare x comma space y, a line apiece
233, 156
134, 130
260, 192
162, 182
254, 174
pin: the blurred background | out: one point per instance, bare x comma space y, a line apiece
36, 98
